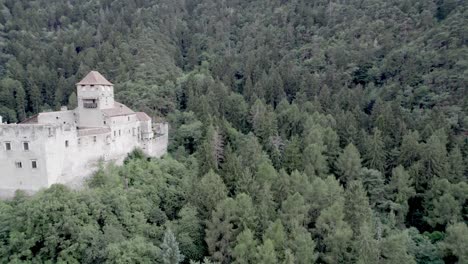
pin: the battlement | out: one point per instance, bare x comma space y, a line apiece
33, 131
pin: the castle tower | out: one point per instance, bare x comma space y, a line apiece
94, 93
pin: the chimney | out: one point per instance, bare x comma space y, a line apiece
64, 108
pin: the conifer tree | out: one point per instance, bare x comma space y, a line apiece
266, 253
410, 149
276, 233
400, 189
456, 242
366, 246
356, 208
220, 231
170, 249
434, 159
395, 249
20, 99
374, 183
294, 211
336, 234
375, 154
315, 163
302, 246
210, 190
349, 164
72, 101
457, 167
246, 248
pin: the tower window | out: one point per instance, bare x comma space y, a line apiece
89, 103
34, 164
8, 146
66, 143
18, 164
26, 146
94, 139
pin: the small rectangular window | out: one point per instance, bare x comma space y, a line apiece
8, 146
120, 133
115, 133
79, 141
90, 103
94, 139
18, 164
26, 146
66, 143
34, 164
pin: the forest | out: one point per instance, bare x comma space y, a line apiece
302, 131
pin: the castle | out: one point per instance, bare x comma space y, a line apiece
66, 146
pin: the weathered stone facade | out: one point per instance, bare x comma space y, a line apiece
66, 146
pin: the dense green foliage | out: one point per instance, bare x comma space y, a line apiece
301, 131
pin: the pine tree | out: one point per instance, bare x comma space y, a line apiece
400, 189
276, 233
266, 253
335, 232
375, 154
374, 184
220, 231
410, 149
294, 211
395, 249
210, 190
263, 121
357, 210
435, 158
366, 246
292, 158
170, 249
211, 151
20, 99
315, 163
349, 164
457, 166
456, 242
72, 101
302, 246
245, 250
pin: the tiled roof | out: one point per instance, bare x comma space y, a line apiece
142, 116
32, 120
118, 110
94, 78
93, 131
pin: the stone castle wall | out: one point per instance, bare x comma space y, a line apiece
67, 146
66, 155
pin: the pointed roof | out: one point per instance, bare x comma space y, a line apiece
94, 78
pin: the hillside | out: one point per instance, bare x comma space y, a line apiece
301, 131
